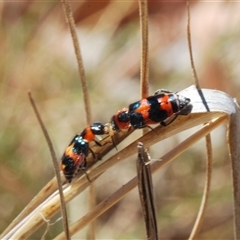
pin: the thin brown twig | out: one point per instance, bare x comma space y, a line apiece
203, 206
146, 193
71, 24
144, 65
143, 17
56, 167
195, 77
199, 219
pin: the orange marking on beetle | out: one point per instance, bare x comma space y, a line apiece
89, 135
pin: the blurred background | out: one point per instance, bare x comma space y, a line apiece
37, 54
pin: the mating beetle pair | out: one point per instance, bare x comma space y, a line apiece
163, 107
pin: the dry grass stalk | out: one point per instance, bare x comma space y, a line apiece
146, 193
203, 206
144, 65
144, 69
223, 109
55, 166
71, 24
121, 192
